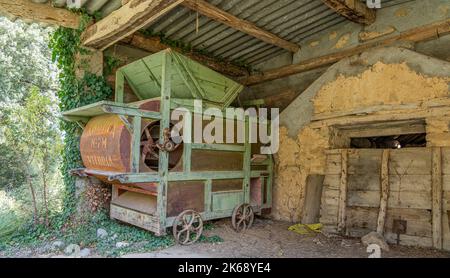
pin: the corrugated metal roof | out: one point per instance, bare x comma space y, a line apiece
292, 20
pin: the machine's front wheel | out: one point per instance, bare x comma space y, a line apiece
187, 227
242, 218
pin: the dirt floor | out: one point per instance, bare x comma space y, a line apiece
272, 239
266, 239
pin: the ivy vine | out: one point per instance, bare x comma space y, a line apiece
66, 45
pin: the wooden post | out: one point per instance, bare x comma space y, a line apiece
343, 192
163, 155
384, 179
247, 160
136, 144
187, 148
208, 190
119, 91
437, 197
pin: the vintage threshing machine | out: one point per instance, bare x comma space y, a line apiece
157, 182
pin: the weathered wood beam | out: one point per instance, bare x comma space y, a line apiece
343, 186
244, 26
384, 178
436, 197
28, 10
423, 33
123, 22
354, 10
154, 44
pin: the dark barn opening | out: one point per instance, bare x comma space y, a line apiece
390, 142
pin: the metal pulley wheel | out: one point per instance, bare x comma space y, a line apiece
187, 227
242, 218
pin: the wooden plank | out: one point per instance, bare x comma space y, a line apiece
218, 147
332, 182
370, 180
437, 197
333, 166
353, 10
407, 240
154, 44
142, 220
244, 26
313, 194
28, 10
247, 155
164, 124
384, 191
364, 161
123, 22
208, 196
361, 220
343, 192
404, 199
422, 33
364, 199
136, 145
130, 111
410, 161
119, 87
446, 161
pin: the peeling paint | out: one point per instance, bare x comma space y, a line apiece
343, 41
314, 43
403, 12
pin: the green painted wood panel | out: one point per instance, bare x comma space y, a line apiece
226, 200
189, 79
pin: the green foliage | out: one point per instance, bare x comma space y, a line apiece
85, 235
211, 239
111, 63
65, 45
24, 61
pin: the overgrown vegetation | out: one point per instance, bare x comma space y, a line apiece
37, 202
30, 141
73, 93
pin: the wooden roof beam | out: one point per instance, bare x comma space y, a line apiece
154, 44
353, 10
131, 17
418, 34
244, 26
28, 10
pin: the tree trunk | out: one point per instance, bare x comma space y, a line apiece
44, 183
33, 198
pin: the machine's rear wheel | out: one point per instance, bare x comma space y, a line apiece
242, 218
187, 227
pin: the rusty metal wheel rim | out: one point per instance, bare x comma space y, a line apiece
148, 144
242, 218
187, 227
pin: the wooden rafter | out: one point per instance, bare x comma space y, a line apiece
354, 10
26, 9
123, 22
245, 26
423, 33
154, 44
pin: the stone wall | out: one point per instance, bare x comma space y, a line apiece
379, 85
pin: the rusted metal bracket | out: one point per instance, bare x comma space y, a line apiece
399, 228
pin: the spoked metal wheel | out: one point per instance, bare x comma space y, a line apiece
242, 218
187, 227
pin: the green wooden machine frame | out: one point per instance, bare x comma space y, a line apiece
168, 75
